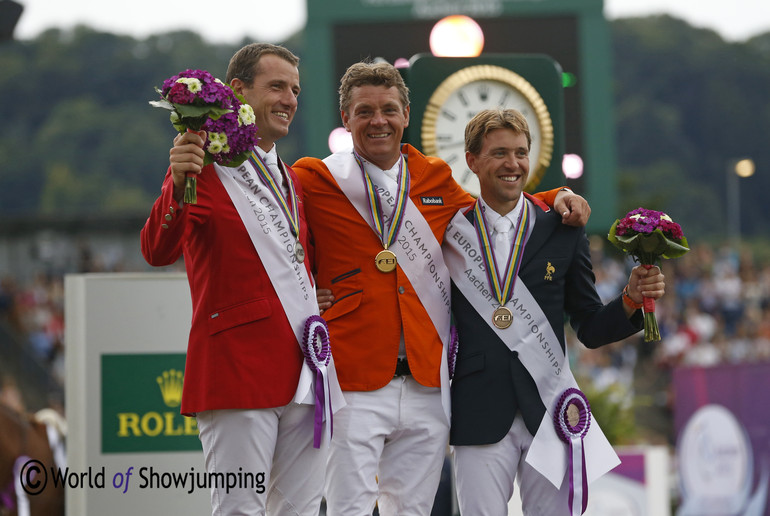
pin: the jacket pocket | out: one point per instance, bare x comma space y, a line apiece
236, 315
468, 365
348, 292
344, 305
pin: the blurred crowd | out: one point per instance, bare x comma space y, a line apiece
716, 310
33, 319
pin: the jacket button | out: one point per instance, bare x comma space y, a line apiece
401, 290
169, 216
164, 226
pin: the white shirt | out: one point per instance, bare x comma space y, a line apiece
501, 242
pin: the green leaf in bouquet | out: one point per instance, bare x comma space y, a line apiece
239, 159
178, 124
181, 124
611, 235
190, 111
675, 250
655, 243
627, 243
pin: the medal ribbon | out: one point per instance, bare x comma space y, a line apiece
503, 287
375, 204
290, 211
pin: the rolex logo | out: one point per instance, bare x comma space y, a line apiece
170, 383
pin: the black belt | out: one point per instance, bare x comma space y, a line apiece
402, 368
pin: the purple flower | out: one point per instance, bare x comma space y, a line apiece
240, 137
197, 87
646, 222
198, 100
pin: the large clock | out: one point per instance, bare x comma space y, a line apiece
466, 92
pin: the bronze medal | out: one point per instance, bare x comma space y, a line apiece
385, 261
299, 252
502, 317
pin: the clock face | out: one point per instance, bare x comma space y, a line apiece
466, 92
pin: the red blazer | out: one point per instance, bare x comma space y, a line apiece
371, 308
242, 352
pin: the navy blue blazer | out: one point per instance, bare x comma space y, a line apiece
490, 383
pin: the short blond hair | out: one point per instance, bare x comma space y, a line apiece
490, 119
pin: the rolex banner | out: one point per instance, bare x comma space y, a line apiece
128, 449
141, 394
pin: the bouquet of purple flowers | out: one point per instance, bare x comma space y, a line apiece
648, 236
199, 101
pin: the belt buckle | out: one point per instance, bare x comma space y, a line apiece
402, 368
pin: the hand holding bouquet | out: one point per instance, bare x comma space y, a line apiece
648, 236
199, 101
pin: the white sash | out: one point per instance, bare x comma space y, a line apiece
272, 238
417, 251
538, 348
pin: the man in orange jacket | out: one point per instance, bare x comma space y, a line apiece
377, 215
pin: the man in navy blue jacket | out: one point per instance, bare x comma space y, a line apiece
511, 287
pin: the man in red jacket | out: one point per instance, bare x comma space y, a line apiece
245, 378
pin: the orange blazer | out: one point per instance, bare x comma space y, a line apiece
372, 308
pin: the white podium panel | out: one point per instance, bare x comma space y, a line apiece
129, 450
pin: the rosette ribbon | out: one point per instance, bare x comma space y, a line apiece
452, 353
572, 418
22, 500
318, 353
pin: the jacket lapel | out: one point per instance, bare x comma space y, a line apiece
545, 224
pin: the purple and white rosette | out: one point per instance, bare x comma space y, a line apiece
572, 418
452, 352
318, 353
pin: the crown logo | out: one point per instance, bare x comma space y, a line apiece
170, 383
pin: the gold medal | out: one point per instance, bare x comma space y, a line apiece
502, 317
299, 252
385, 261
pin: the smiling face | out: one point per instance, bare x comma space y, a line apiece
376, 119
502, 166
273, 96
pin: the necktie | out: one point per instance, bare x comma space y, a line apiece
271, 162
502, 243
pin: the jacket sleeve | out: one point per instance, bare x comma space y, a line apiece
549, 196
162, 237
596, 324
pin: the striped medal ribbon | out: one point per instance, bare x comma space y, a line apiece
288, 207
385, 261
503, 284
